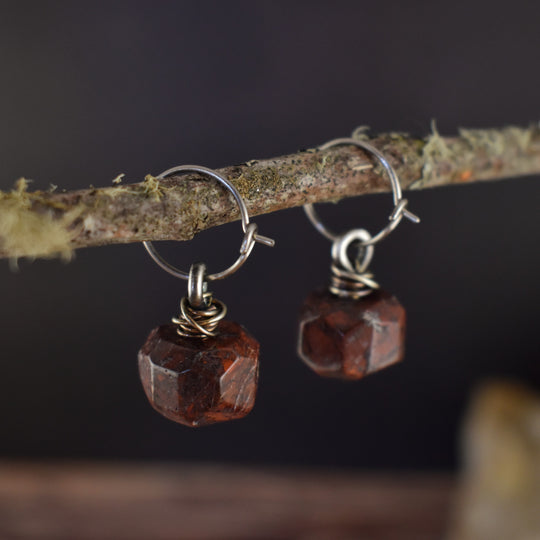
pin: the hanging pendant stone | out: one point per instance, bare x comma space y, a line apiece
347, 338
196, 381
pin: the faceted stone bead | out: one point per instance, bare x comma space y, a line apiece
197, 381
347, 338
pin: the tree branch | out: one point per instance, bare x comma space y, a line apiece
41, 224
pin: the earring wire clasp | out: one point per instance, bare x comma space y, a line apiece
250, 229
400, 204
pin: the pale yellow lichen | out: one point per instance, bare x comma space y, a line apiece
152, 186
361, 133
115, 191
458, 156
118, 179
27, 233
495, 141
323, 162
434, 151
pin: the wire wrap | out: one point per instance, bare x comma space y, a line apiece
200, 322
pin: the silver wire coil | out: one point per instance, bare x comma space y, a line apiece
200, 322
352, 279
351, 284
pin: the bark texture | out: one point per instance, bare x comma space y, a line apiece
41, 224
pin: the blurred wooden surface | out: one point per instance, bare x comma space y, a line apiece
162, 502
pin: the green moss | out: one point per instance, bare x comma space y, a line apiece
251, 183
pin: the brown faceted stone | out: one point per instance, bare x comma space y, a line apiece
346, 338
197, 381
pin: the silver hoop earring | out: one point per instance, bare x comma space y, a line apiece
352, 328
202, 369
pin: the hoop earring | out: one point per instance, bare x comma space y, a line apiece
352, 328
202, 369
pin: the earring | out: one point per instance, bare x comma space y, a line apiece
202, 369
353, 328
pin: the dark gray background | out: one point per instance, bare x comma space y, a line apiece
89, 90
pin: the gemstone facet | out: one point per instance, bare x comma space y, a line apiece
347, 338
197, 381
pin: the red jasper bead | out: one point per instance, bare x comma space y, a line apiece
200, 381
347, 338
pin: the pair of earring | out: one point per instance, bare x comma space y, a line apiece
203, 369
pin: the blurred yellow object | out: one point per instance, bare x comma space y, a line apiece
500, 492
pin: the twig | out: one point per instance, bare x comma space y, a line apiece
40, 224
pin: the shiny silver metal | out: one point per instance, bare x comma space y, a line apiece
197, 286
351, 279
200, 323
342, 244
400, 204
348, 279
250, 229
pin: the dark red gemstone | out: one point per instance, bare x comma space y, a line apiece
197, 381
346, 338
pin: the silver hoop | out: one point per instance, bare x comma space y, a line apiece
250, 229
399, 211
